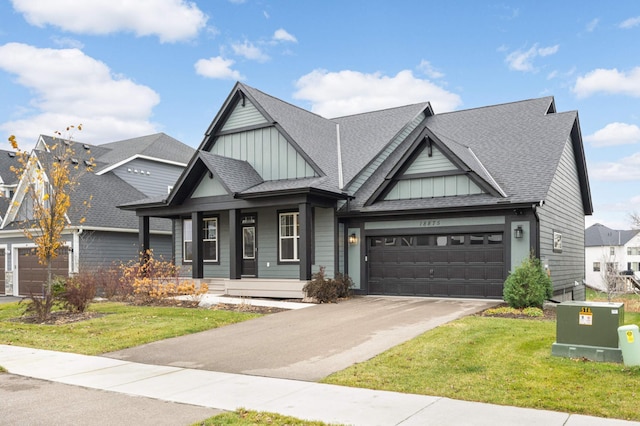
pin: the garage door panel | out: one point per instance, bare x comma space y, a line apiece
459, 265
32, 275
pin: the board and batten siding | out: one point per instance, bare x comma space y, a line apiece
324, 241
149, 177
243, 116
365, 174
105, 249
563, 212
268, 152
211, 270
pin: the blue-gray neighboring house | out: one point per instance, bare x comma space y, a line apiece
404, 200
121, 171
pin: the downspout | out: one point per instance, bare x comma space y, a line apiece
537, 216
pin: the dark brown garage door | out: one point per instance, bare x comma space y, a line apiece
2, 263
457, 265
32, 275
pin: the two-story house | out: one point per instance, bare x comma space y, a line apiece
609, 252
120, 171
404, 200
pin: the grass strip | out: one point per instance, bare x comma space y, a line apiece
122, 326
500, 361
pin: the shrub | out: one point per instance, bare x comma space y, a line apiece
157, 279
40, 306
109, 285
78, 292
328, 290
528, 285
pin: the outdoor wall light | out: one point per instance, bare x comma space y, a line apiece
518, 232
353, 239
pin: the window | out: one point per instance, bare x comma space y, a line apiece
612, 251
289, 237
457, 240
209, 240
596, 266
494, 239
476, 239
187, 246
633, 251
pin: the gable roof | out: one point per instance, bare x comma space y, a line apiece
598, 235
106, 189
500, 143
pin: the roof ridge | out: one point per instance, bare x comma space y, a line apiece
498, 105
425, 103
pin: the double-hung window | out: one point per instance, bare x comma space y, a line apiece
209, 240
289, 237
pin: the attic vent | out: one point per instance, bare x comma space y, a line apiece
88, 163
67, 142
74, 161
57, 158
11, 154
85, 146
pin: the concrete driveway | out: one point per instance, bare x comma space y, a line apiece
306, 344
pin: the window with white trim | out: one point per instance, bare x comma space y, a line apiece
209, 240
289, 237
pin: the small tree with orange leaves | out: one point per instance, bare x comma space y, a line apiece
48, 177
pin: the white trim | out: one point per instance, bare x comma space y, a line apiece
136, 157
6, 260
123, 230
340, 176
493, 181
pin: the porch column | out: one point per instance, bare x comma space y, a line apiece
143, 238
235, 244
197, 234
304, 251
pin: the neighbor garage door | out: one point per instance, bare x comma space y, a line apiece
458, 265
32, 275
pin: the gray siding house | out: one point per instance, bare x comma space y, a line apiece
122, 171
403, 200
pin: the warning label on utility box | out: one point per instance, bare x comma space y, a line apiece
630, 336
586, 317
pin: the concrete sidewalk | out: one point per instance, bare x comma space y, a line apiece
304, 400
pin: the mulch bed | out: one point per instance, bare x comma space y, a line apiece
549, 314
59, 318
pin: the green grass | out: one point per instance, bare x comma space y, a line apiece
501, 361
245, 417
122, 326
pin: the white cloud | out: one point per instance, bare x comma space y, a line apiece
608, 81
334, 94
630, 23
249, 51
169, 20
519, 60
627, 169
593, 24
428, 70
67, 42
615, 134
217, 67
282, 35
72, 88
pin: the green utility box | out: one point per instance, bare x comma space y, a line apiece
588, 330
629, 338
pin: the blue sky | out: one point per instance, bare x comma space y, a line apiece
146, 66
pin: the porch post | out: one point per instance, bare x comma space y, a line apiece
304, 251
197, 234
143, 238
235, 244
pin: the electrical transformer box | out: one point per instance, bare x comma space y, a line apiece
589, 330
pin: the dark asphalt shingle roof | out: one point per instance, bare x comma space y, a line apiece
236, 175
599, 235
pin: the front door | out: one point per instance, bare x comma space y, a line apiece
249, 250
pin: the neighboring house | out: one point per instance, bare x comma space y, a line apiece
121, 171
609, 252
403, 200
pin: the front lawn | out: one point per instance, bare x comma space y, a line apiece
501, 361
121, 326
